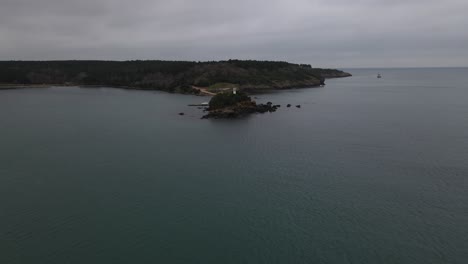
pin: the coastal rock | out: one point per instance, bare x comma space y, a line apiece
322, 80
240, 110
228, 105
331, 73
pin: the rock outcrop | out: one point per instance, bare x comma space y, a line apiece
227, 105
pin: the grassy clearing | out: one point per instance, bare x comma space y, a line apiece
222, 85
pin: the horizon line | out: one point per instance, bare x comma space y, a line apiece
265, 60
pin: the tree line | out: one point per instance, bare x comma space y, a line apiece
172, 76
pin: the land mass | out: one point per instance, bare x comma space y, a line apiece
172, 76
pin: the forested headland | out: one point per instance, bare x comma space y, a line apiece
171, 76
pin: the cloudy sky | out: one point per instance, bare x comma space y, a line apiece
324, 33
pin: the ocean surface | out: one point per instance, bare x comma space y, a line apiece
367, 171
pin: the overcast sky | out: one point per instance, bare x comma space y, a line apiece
324, 33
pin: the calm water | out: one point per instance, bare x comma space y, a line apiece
367, 171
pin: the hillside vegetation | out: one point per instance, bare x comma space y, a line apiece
171, 76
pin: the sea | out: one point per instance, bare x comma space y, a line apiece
367, 170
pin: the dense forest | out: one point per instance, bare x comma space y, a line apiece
172, 76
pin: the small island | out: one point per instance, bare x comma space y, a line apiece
186, 77
234, 105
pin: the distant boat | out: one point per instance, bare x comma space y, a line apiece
379, 76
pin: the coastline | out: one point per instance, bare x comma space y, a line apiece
22, 86
184, 77
203, 91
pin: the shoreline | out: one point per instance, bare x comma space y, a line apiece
203, 91
189, 77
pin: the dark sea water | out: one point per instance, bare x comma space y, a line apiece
367, 171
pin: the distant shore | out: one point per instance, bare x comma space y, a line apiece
184, 77
7, 86
201, 91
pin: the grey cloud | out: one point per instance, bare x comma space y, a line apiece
335, 33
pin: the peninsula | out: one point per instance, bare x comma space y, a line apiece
171, 76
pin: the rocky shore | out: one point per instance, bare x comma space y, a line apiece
330, 74
229, 105
240, 110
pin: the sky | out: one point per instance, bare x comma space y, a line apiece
324, 33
